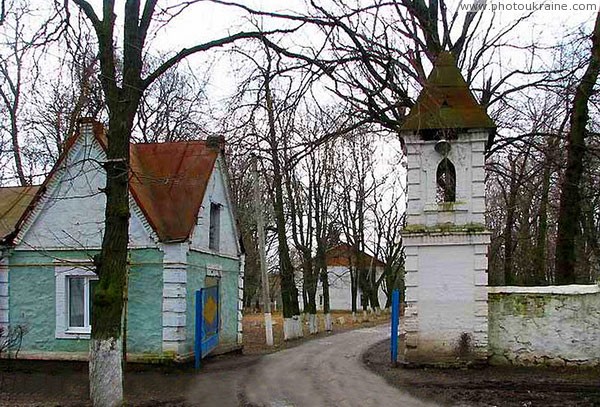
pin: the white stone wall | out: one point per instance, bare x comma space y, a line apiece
556, 325
446, 296
467, 155
216, 192
174, 297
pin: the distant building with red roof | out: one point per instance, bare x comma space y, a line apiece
182, 237
341, 260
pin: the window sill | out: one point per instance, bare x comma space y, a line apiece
74, 334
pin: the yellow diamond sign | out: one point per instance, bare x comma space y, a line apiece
210, 310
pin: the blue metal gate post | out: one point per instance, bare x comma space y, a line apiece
198, 331
395, 320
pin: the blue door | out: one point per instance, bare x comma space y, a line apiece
207, 322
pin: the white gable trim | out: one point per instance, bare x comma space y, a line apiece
85, 140
225, 179
135, 209
50, 188
221, 170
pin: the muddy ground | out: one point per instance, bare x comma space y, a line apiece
254, 329
41, 383
34, 383
490, 386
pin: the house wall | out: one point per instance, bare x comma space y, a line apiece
71, 212
144, 303
340, 293
199, 266
216, 192
33, 303
556, 325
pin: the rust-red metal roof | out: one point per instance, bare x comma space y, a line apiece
342, 255
446, 101
167, 181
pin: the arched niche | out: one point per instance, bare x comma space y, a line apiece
446, 182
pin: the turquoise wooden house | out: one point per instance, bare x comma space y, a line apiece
182, 237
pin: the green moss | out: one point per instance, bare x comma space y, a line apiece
155, 358
417, 228
469, 228
474, 227
446, 206
527, 305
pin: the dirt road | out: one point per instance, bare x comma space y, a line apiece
324, 372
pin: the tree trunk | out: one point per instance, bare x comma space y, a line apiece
570, 198
304, 296
311, 280
106, 379
509, 275
321, 266
353, 290
542, 232
374, 290
365, 292
289, 291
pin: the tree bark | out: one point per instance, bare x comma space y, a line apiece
542, 232
321, 265
570, 198
289, 291
509, 275
107, 311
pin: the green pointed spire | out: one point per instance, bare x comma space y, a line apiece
446, 101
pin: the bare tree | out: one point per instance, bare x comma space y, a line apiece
19, 71
72, 92
173, 108
124, 85
389, 219
355, 192
570, 199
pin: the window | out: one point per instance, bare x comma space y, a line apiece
79, 293
74, 287
214, 227
446, 181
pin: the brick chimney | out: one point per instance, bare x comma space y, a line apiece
216, 142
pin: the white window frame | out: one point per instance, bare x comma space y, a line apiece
62, 275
